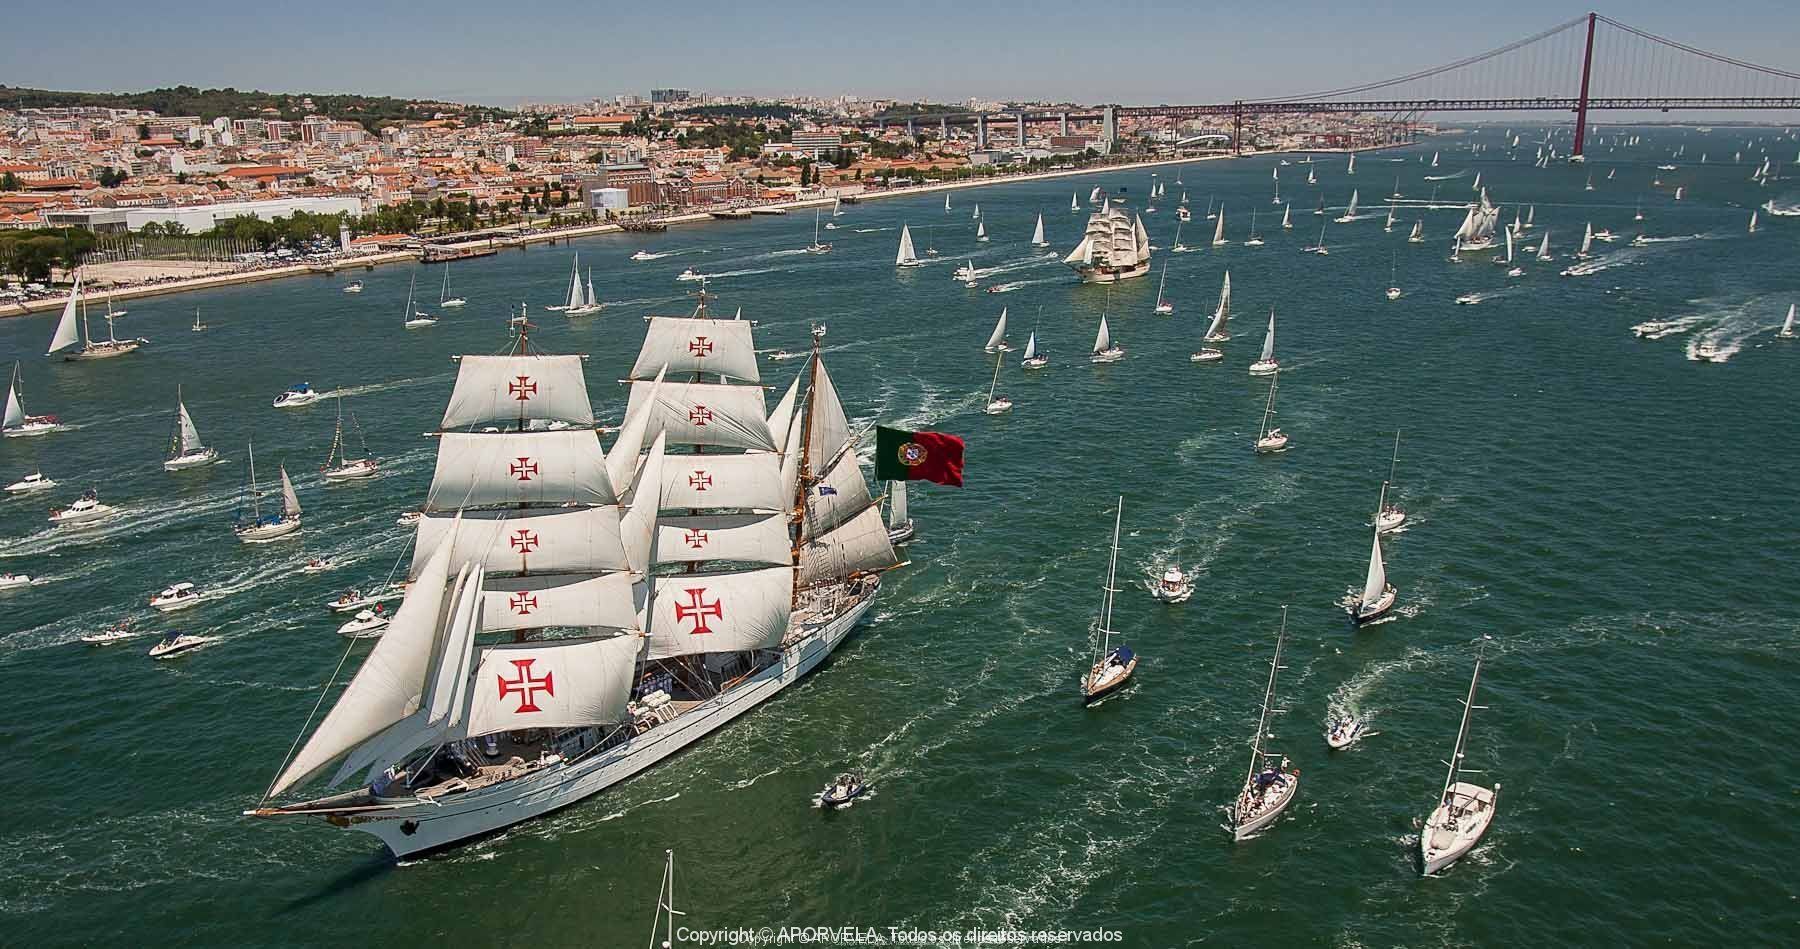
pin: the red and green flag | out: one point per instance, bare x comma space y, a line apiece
901, 455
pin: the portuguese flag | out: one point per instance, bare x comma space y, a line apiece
911, 456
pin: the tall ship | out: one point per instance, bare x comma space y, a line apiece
1478, 226
575, 616
1114, 247
73, 340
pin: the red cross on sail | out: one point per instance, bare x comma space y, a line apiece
524, 540
522, 603
522, 388
696, 538
700, 415
523, 469
700, 346
698, 610
525, 686
699, 480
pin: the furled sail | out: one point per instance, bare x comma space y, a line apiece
554, 684
572, 540
477, 470
516, 389
719, 612
701, 413
697, 344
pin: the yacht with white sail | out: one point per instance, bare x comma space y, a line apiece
1389, 517
445, 300
1478, 226
529, 531
997, 339
1104, 348
1349, 210
1037, 235
1179, 247
1163, 306
1270, 440
1287, 218
1464, 810
18, 423
997, 404
413, 318
906, 257
1114, 247
185, 448
816, 247
1271, 784
260, 528
1111, 666
1377, 596
1219, 229
1266, 364
339, 466
1255, 236
900, 525
1320, 247
582, 301
1787, 329
68, 335
1034, 358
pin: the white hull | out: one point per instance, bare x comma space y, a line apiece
294, 402
1261, 368
205, 456
32, 428
1091, 274
1207, 355
177, 603
1263, 819
1360, 614
413, 828
350, 472
83, 517
1441, 846
263, 533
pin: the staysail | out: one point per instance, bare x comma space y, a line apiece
999, 334
67, 333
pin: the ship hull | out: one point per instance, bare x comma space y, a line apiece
412, 829
1091, 274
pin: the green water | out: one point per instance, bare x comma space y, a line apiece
1620, 518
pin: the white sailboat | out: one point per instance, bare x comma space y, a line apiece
946, 202
1418, 232
1393, 290
977, 214
18, 424
1351, 170
1377, 596
837, 207
1179, 247
1464, 810
1033, 359
1543, 251
1271, 784
1349, 210
733, 612
1388, 228
198, 326
1266, 364
817, 246
906, 257
1112, 666
997, 404
1163, 306
1218, 332
1320, 247
1037, 235
445, 300
997, 340
1219, 229
576, 297
1787, 325
1752, 220
1270, 440
981, 234
339, 466
899, 521
1114, 247
583, 302
1104, 350
1255, 238
411, 318
1587, 242
1074, 204
258, 527
185, 448
1287, 222
69, 334
1389, 517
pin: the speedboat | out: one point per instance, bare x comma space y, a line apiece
410, 518
1000, 405
1276, 440
175, 643
349, 471
34, 481
193, 459
367, 624
1469, 299
356, 287
318, 565
689, 274
296, 396
1344, 731
1516, 272
179, 596
12, 581
1605, 235
848, 787
644, 255
1108, 675
781, 355
1207, 355
1393, 293
1174, 587
117, 632
355, 599
88, 508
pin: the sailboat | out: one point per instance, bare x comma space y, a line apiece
1476, 185
977, 214
1393, 290
1114, 247
1104, 350
1179, 247
1270, 440
1287, 222
1434, 159
735, 614
997, 404
997, 340
1587, 241
1319, 248
817, 246
1752, 220
411, 318
260, 528
906, 257
946, 202
185, 448
1271, 784
1590, 184
1787, 325
1351, 170
899, 521
981, 234
1074, 204
1464, 810
17, 423
1266, 364
1311, 178
1418, 232
1396, 195
576, 297
1639, 216
339, 466
198, 326
1112, 666
1033, 359
1216, 331
1037, 235
1388, 228
445, 300
1349, 210
837, 207
1219, 229
1543, 251
1377, 596
66, 333
1163, 306
1255, 238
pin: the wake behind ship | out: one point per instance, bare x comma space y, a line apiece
574, 617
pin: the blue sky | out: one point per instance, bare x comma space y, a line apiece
549, 49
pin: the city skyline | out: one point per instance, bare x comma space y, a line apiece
938, 52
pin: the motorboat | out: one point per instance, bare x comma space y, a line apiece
367, 624
689, 274
87, 508
782, 355
1469, 299
296, 396
176, 643
319, 565
12, 581
356, 287
34, 481
178, 596
354, 599
1343, 732
1207, 355
409, 518
644, 255
1174, 587
117, 632
848, 787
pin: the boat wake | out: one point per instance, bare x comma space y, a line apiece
870, 230
1461, 174
646, 255
351, 391
742, 273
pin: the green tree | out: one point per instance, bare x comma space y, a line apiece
110, 177
9, 182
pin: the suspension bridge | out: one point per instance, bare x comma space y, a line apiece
1590, 63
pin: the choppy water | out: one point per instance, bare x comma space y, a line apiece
1617, 513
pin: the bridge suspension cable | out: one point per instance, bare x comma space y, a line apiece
1695, 50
